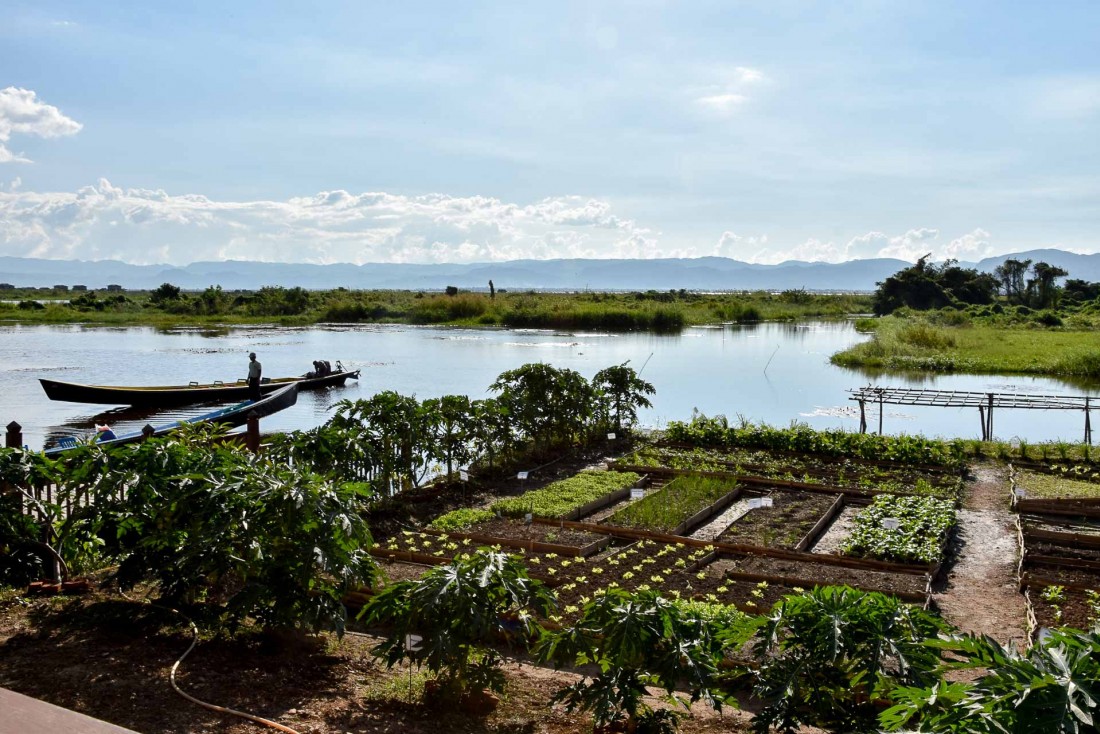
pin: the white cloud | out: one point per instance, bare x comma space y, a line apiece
22, 113
144, 226
913, 244
729, 90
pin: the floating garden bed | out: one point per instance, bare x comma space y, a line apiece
675, 508
920, 534
569, 498
783, 525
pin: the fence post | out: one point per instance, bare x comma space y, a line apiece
252, 434
14, 438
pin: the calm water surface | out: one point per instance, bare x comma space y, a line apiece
715, 370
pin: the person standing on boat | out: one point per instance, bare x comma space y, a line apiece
255, 369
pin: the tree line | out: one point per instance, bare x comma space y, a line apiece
924, 286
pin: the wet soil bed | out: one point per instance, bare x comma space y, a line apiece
822, 575
1088, 578
519, 530
782, 525
1076, 610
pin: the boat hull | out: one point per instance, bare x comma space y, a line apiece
176, 395
234, 415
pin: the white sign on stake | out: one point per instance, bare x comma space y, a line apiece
463, 475
890, 523
1021, 493
766, 502
636, 493
521, 475
611, 437
412, 642
527, 518
755, 503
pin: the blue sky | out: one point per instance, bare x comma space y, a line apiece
357, 132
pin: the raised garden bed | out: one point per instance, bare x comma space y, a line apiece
783, 525
816, 574
1054, 607
510, 533
920, 535
569, 498
1044, 485
864, 476
677, 507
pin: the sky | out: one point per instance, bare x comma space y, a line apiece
484, 131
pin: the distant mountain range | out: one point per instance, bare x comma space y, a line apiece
704, 273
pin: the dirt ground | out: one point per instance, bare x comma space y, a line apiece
109, 657
980, 593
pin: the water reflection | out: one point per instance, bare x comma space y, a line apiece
775, 372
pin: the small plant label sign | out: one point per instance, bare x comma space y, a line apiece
463, 475
766, 502
636, 493
1021, 493
521, 475
757, 502
412, 642
527, 518
611, 437
890, 523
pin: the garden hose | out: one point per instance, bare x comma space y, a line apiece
212, 707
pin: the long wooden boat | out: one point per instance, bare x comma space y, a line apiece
167, 396
233, 415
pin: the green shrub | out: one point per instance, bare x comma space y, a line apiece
923, 523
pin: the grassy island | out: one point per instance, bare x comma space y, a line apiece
638, 311
954, 342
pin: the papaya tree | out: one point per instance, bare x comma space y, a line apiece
623, 392
459, 611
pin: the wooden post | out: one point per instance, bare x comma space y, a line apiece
880, 413
252, 434
14, 438
147, 432
989, 418
1088, 424
981, 414
862, 416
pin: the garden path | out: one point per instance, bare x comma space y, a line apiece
981, 593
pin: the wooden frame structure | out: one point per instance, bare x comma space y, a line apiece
985, 402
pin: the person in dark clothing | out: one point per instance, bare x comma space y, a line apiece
255, 370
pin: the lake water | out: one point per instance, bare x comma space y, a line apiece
773, 372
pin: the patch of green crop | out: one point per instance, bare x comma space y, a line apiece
561, 498
674, 503
923, 523
461, 519
1056, 487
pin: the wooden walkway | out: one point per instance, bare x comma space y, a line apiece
21, 714
985, 402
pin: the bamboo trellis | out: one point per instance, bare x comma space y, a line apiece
985, 402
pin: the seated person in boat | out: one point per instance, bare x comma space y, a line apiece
104, 433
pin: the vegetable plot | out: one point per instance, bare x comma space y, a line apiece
917, 536
668, 507
561, 498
